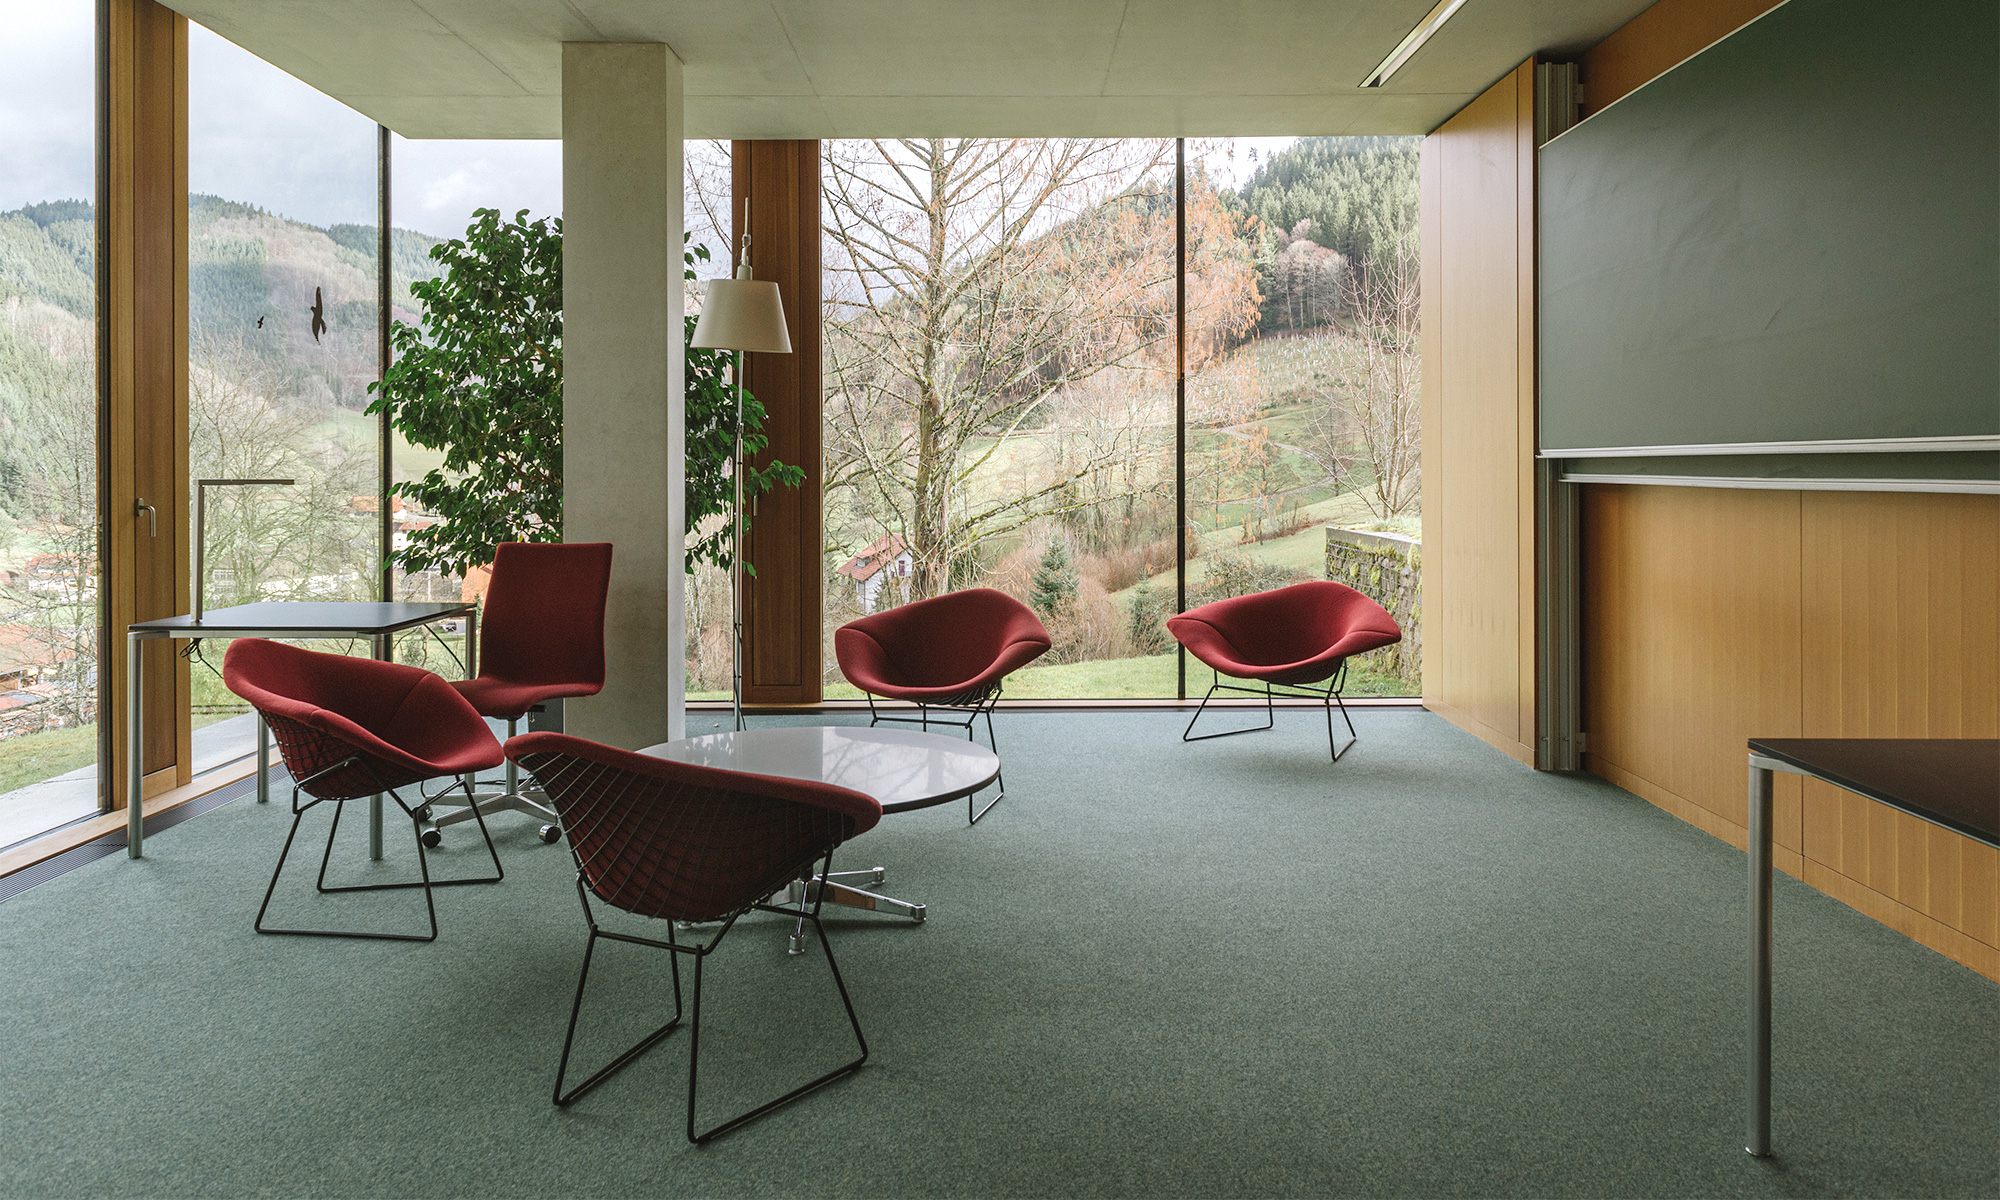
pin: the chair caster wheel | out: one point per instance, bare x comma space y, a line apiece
423, 814
880, 875
550, 834
794, 944
916, 914
431, 838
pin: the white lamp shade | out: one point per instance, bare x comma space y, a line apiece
742, 314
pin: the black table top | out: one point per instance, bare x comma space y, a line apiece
307, 618
1952, 782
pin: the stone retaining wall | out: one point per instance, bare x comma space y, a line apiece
1384, 567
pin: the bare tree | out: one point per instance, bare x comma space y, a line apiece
974, 283
56, 439
1369, 377
307, 541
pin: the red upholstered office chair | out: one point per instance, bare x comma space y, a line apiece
354, 727
541, 638
685, 843
951, 652
1292, 637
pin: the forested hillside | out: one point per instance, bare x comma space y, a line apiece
243, 264
1326, 202
265, 399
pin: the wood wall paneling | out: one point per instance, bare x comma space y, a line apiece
1691, 647
144, 291
1657, 39
1899, 595
1715, 615
1478, 347
784, 606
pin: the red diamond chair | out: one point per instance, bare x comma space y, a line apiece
1292, 637
951, 652
354, 727
541, 638
684, 843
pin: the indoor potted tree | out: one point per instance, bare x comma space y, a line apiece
480, 381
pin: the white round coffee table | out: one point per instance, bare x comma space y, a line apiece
902, 769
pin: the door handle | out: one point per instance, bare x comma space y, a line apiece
152, 516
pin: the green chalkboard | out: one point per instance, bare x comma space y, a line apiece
1792, 237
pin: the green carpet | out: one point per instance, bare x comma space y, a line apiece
1226, 968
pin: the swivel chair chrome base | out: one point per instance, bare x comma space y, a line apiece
511, 797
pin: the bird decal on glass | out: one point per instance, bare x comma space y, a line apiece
318, 311
260, 322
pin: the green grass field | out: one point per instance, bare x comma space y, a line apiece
1150, 678
34, 757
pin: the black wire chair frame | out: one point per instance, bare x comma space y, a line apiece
700, 952
980, 701
423, 865
619, 873
1330, 697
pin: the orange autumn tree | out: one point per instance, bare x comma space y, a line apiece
971, 284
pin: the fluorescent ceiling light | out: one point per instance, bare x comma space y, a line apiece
1413, 42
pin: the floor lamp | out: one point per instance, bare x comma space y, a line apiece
743, 314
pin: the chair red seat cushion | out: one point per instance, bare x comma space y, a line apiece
404, 722
503, 698
940, 650
1293, 635
541, 634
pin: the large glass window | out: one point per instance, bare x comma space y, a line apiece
282, 344
437, 186
1001, 408
999, 354
1303, 420
48, 417
709, 603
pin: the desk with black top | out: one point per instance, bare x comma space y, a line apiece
375, 620
1953, 783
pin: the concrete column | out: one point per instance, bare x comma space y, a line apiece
623, 428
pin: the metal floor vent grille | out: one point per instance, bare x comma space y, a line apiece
112, 843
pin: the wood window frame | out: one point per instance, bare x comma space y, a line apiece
784, 604
142, 451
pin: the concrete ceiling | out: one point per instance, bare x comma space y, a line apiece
856, 68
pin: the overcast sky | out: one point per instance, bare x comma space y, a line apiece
48, 84
256, 134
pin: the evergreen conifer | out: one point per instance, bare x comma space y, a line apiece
1053, 585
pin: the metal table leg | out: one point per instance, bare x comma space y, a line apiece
1758, 1140
135, 745
263, 760
382, 645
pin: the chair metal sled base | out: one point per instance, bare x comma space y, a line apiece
1330, 697
423, 866
700, 952
511, 798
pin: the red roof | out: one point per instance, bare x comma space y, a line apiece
880, 553
26, 646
